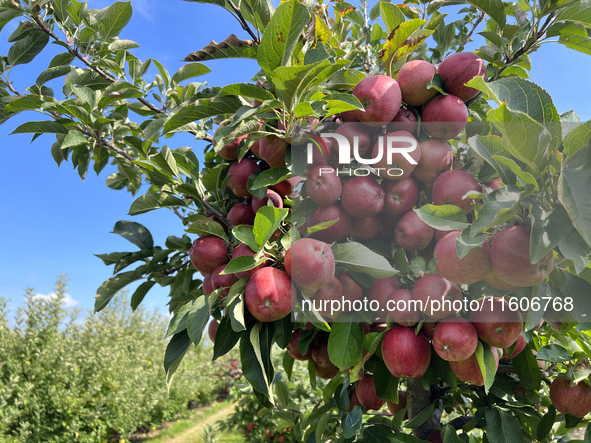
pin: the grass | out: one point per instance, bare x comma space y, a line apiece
190, 430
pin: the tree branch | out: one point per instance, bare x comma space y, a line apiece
467, 39
173, 270
244, 23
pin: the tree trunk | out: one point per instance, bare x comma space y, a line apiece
418, 399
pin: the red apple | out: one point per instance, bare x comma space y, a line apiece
455, 339
212, 329
239, 173
353, 132
404, 314
395, 408
241, 214
400, 196
437, 296
207, 288
450, 188
365, 228
457, 70
380, 96
362, 197
327, 373
406, 354
242, 250
495, 322
324, 185
436, 157
445, 116
332, 291
413, 79
310, 263
351, 289
405, 120
335, 232
494, 184
567, 399
268, 295
509, 255
292, 347
469, 370
285, 187
272, 150
412, 233
353, 400
366, 394
380, 291
207, 253
222, 280
320, 355
399, 161
275, 198
493, 279
428, 329
520, 345
470, 269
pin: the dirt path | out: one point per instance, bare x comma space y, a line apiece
195, 434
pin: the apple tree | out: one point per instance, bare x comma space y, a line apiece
489, 212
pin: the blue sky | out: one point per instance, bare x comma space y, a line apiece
53, 223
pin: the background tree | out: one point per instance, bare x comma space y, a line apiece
533, 162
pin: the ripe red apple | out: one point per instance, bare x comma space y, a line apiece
241, 250
207, 253
239, 173
437, 296
320, 355
281, 438
324, 185
436, 157
353, 400
496, 324
251, 426
494, 184
275, 198
310, 263
389, 223
272, 150
268, 294
445, 116
241, 214
493, 279
207, 288
319, 156
351, 289
404, 314
451, 186
470, 269
212, 329
292, 347
354, 131
285, 187
457, 70
335, 232
380, 291
428, 329
230, 151
455, 339
380, 96
469, 370
255, 149
395, 408
365, 228
520, 345
326, 373
575, 400
509, 255
398, 160
332, 291
222, 281
405, 120
400, 195
438, 236
362, 197
412, 233
366, 394
406, 354
413, 79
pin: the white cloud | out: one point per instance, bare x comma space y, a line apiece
68, 300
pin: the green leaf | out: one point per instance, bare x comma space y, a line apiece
573, 186
110, 287
577, 138
26, 49
178, 323
360, 258
489, 147
41, 127
251, 358
203, 225
519, 170
205, 108
546, 423
283, 331
574, 248
135, 233
51, 73
271, 177
117, 45
443, 217
226, 338
288, 362
345, 343
242, 263
197, 318
385, 384
579, 12
578, 289
114, 18
245, 235
494, 8
266, 221
465, 242
547, 230
232, 47
8, 15
247, 90
149, 202
352, 422
502, 427
450, 435
281, 36
527, 369
404, 438
375, 434
140, 293
421, 417
345, 79
175, 352
487, 364
553, 353
235, 305
397, 39
391, 15
437, 83
190, 70
499, 207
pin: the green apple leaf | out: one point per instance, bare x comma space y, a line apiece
203, 225
443, 217
499, 207
266, 221
574, 248
494, 8
490, 148
360, 258
502, 427
548, 228
527, 369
